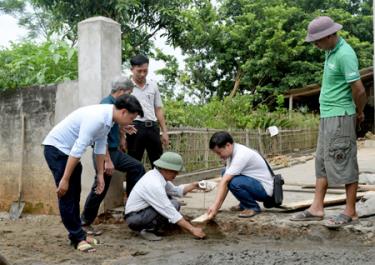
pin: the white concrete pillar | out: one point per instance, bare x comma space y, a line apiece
99, 58
373, 59
99, 61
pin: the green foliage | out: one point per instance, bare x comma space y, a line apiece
252, 47
27, 64
237, 112
140, 20
260, 44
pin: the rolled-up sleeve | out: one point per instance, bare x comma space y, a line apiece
87, 132
101, 146
172, 190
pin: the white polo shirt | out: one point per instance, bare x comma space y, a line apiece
247, 162
83, 127
153, 190
149, 97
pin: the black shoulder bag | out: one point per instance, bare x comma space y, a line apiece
277, 196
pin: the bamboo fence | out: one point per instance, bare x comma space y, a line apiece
192, 144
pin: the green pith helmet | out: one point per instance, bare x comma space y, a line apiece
171, 161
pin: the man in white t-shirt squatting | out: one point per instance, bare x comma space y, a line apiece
246, 176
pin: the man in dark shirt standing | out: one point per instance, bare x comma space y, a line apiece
115, 158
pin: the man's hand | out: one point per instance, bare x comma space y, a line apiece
108, 167
99, 184
198, 232
123, 146
62, 188
165, 138
212, 212
130, 129
360, 117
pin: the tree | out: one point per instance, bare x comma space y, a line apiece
37, 21
257, 47
140, 20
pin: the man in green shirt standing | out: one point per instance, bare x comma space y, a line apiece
342, 99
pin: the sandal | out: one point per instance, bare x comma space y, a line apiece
91, 231
247, 213
341, 220
92, 241
306, 216
236, 208
85, 247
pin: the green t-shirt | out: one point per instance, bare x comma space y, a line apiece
340, 69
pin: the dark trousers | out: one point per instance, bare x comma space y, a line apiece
148, 218
69, 203
146, 138
122, 162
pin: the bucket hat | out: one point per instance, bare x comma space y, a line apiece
171, 161
321, 27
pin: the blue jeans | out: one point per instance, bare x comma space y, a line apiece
121, 162
248, 190
69, 203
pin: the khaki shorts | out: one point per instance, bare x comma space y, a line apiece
336, 153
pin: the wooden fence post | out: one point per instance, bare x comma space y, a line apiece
207, 150
261, 148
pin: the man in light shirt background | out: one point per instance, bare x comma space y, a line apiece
148, 130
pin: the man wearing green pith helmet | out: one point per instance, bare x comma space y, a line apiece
150, 206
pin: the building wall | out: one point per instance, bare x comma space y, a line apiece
38, 106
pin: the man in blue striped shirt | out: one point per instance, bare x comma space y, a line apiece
64, 146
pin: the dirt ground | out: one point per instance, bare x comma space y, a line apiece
42, 240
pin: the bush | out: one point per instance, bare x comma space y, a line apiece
26, 64
233, 113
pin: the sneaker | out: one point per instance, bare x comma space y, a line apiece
91, 231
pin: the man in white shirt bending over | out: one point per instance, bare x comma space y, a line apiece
64, 146
246, 176
150, 206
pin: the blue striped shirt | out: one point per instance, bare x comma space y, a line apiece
83, 127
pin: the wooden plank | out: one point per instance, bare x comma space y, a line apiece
366, 187
328, 201
360, 187
201, 219
300, 189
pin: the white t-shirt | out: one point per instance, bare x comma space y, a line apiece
247, 162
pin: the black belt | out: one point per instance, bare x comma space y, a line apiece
147, 123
